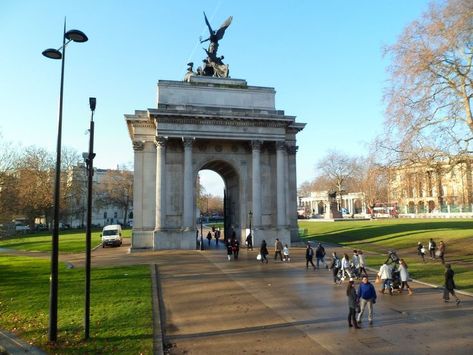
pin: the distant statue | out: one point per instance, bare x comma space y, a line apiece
215, 36
212, 65
190, 72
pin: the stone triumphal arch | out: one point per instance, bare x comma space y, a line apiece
223, 125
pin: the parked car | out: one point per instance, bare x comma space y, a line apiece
20, 227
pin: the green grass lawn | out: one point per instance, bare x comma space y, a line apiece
70, 241
379, 236
121, 314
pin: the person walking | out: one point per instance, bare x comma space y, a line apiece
404, 274
209, 237
309, 256
449, 287
345, 267
432, 247
236, 249
335, 267
355, 260
320, 255
229, 250
367, 296
352, 303
385, 274
285, 253
249, 242
441, 251
278, 249
263, 250
421, 251
362, 262
217, 236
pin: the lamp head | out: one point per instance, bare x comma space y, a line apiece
52, 53
76, 36
92, 103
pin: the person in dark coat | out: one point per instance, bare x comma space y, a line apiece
229, 250
309, 256
352, 304
264, 252
249, 242
209, 237
236, 249
449, 287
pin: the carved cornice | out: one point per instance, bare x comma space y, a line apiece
138, 145
222, 121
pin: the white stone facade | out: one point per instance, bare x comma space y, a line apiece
222, 125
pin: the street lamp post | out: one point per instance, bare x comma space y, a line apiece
88, 233
251, 215
201, 233
76, 36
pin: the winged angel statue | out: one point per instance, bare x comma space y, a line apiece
212, 65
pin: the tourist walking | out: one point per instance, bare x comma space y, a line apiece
249, 242
362, 261
367, 296
421, 251
217, 236
309, 256
432, 247
209, 237
352, 304
385, 274
263, 250
335, 267
229, 250
285, 253
320, 255
449, 287
236, 249
441, 251
345, 267
278, 249
404, 274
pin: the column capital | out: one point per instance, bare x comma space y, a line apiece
292, 149
161, 142
256, 145
187, 141
138, 145
280, 145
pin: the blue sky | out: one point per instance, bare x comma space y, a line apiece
324, 58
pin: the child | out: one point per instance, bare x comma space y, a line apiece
285, 253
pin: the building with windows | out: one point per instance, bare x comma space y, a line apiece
433, 188
317, 204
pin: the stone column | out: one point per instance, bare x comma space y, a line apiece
160, 182
256, 182
292, 192
138, 147
280, 191
188, 183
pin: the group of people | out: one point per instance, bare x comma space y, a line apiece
279, 251
434, 250
394, 274
346, 268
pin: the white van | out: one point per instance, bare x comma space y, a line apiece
112, 235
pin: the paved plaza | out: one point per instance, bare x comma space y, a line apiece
210, 305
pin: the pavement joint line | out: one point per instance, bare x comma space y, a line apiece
158, 343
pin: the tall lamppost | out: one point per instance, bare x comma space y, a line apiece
201, 232
89, 160
251, 215
76, 36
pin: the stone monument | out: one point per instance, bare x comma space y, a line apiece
224, 125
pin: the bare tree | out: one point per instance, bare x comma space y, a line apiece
8, 180
117, 189
431, 86
339, 170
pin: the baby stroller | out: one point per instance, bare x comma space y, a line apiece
396, 282
355, 271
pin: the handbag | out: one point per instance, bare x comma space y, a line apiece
378, 280
258, 257
422, 250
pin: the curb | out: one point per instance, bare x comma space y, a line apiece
158, 333
11, 345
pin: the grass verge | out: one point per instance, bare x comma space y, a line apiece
120, 322
71, 241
